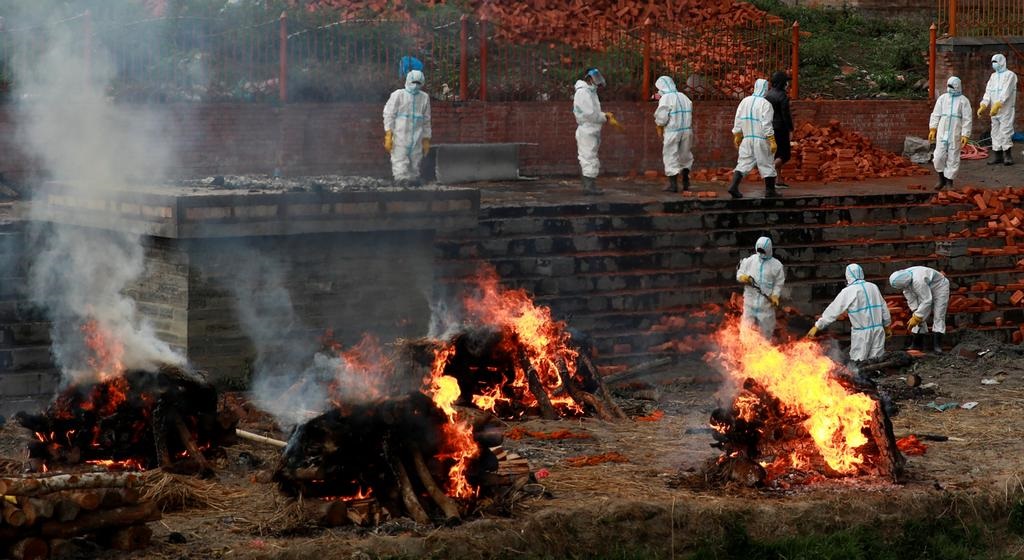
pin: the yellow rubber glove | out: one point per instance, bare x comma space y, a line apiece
914, 321
737, 139
426, 145
775, 300
981, 109
996, 107
613, 121
388, 142
963, 141
772, 145
812, 332
744, 279
661, 131
888, 332
931, 135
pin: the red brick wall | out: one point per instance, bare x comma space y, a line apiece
346, 138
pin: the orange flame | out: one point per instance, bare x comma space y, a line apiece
125, 465
800, 376
544, 340
489, 400
459, 443
107, 353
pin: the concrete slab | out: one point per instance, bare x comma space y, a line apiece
242, 207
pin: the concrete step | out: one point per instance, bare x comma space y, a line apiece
24, 334
25, 358
707, 220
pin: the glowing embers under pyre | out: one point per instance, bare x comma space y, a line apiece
795, 416
138, 420
128, 420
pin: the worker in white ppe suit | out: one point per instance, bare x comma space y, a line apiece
949, 128
927, 293
407, 129
869, 315
1001, 95
754, 136
674, 121
586, 107
762, 277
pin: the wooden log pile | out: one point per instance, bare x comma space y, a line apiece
829, 153
139, 420
392, 458
40, 514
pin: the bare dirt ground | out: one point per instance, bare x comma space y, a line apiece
607, 509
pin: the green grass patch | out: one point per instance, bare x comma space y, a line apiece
850, 55
943, 539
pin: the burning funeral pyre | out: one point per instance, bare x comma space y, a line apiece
512, 358
795, 416
129, 419
434, 452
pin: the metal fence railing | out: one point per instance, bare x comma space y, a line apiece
981, 18
255, 55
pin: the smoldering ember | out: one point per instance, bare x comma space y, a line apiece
492, 280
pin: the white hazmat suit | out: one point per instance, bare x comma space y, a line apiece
869, 315
754, 121
675, 115
407, 117
767, 273
927, 293
1001, 90
586, 107
949, 125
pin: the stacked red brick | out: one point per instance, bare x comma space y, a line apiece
829, 153
1001, 213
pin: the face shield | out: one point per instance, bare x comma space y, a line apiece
953, 86
596, 78
998, 62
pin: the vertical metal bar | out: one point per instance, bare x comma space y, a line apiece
932, 31
952, 18
795, 78
282, 73
645, 80
464, 58
483, 58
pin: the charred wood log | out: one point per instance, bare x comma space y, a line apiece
130, 539
547, 411
602, 388
412, 504
451, 511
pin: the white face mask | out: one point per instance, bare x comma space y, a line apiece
412, 88
995, 66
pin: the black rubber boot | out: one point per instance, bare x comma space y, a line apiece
942, 182
734, 187
1008, 157
686, 179
919, 341
769, 188
937, 342
590, 186
997, 157
673, 184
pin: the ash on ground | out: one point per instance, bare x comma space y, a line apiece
272, 184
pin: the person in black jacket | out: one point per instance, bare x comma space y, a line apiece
782, 121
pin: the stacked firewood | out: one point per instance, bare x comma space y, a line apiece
40, 513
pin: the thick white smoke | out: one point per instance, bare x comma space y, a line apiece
78, 135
